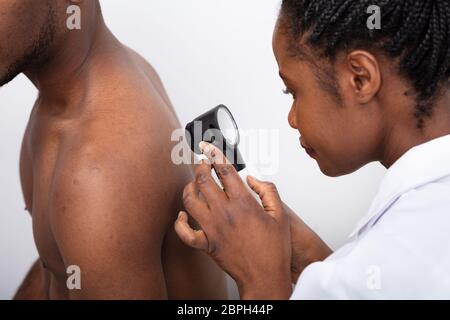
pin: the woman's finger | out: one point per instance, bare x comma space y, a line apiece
229, 177
269, 196
193, 238
196, 205
205, 183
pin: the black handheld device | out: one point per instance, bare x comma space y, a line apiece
218, 127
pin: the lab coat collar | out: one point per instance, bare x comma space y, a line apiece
420, 165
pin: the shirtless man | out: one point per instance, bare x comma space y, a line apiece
95, 166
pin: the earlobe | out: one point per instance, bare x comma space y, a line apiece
365, 75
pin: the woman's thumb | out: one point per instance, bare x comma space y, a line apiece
268, 194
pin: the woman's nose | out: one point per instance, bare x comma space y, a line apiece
292, 117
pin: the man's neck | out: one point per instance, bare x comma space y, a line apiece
61, 79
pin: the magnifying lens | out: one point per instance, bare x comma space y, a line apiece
218, 127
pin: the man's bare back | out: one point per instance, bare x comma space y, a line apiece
101, 188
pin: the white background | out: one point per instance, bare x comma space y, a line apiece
207, 52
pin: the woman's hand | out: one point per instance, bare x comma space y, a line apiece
307, 246
252, 243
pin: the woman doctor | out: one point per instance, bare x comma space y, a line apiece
359, 95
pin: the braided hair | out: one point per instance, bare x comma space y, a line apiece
417, 32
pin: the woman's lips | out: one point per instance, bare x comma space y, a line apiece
310, 151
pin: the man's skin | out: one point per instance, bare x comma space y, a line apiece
31, 288
95, 165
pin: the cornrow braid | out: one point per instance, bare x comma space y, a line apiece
330, 15
415, 31
349, 20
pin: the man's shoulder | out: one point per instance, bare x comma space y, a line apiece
114, 158
127, 78
132, 157
129, 107
97, 181
121, 146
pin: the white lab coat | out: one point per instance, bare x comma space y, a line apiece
401, 249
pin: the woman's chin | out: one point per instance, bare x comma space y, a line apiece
333, 171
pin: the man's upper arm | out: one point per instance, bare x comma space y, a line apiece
109, 217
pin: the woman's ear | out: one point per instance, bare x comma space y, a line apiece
365, 75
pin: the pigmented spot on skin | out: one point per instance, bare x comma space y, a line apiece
95, 169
